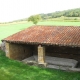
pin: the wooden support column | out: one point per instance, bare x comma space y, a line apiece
41, 55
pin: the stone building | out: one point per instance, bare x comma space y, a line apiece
54, 41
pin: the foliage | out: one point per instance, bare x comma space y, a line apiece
66, 13
14, 70
34, 18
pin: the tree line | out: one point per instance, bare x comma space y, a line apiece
66, 13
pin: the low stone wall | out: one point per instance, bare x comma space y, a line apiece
18, 51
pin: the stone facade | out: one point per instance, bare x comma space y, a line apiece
21, 51
17, 51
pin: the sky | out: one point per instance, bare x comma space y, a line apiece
11, 10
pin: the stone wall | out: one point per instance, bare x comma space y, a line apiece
2, 46
18, 51
63, 52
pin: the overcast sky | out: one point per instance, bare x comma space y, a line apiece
17, 9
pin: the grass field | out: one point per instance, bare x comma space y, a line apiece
61, 23
14, 70
11, 28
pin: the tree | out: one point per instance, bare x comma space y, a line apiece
35, 18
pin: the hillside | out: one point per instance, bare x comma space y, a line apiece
65, 13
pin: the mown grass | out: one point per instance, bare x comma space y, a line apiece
14, 70
59, 23
11, 28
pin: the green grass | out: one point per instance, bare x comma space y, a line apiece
59, 23
11, 28
14, 70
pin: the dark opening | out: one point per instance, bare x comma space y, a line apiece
63, 52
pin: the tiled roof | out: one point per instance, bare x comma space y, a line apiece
50, 35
